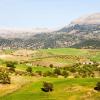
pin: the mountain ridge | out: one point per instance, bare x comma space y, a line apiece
77, 33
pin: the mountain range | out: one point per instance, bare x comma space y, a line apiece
83, 32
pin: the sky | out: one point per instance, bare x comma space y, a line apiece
44, 13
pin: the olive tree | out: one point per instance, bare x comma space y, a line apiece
47, 87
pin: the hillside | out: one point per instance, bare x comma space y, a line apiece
76, 34
91, 44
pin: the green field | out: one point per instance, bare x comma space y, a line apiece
66, 51
64, 89
72, 55
58, 57
34, 68
29, 87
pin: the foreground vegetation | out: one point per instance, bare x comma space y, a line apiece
71, 89
50, 74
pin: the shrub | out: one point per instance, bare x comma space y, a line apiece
45, 74
47, 87
39, 72
29, 69
11, 64
4, 78
49, 73
72, 69
65, 74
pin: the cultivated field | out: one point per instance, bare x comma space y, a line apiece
73, 72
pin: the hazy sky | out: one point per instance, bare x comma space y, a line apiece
44, 13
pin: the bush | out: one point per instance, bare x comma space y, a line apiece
49, 73
72, 69
11, 64
29, 69
4, 78
47, 87
65, 74
39, 73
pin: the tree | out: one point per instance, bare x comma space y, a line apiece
51, 65
29, 69
47, 87
97, 86
4, 78
11, 66
57, 71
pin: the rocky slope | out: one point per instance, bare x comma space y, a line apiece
83, 32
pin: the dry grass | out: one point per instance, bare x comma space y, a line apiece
17, 83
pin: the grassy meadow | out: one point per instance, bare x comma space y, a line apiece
70, 89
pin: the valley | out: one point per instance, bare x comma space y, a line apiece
51, 64
50, 50
73, 72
